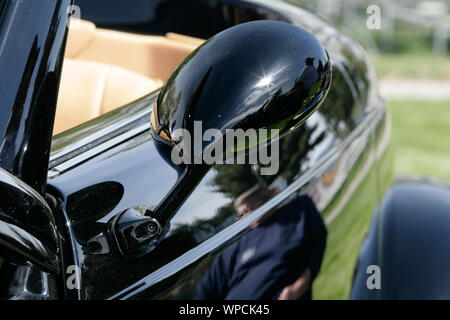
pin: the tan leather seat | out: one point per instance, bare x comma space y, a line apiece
105, 69
90, 89
155, 57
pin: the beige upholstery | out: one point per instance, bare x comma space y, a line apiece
105, 69
81, 33
186, 39
155, 57
89, 89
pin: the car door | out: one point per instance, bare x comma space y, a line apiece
110, 165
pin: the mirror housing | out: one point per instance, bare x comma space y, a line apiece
256, 75
261, 74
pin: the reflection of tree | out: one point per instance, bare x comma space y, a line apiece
356, 67
202, 228
294, 149
171, 101
233, 180
339, 106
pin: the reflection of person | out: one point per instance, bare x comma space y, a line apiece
309, 74
277, 259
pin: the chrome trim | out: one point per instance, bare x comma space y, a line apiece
231, 231
12, 180
28, 246
15, 238
95, 139
57, 170
26, 277
95, 136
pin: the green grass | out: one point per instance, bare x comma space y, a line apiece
421, 145
345, 234
411, 65
421, 137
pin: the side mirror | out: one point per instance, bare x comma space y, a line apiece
261, 74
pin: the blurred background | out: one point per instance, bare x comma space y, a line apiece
410, 50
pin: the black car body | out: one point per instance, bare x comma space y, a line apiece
62, 194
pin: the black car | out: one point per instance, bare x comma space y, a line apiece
93, 207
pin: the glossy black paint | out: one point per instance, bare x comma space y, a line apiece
116, 180
31, 69
91, 192
262, 74
135, 166
146, 178
22, 209
409, 240
337, 158
257, 75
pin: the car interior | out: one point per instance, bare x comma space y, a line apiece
105, 69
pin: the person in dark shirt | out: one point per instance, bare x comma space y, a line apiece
277, 259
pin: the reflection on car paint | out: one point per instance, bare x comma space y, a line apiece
333, 148
282, 248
